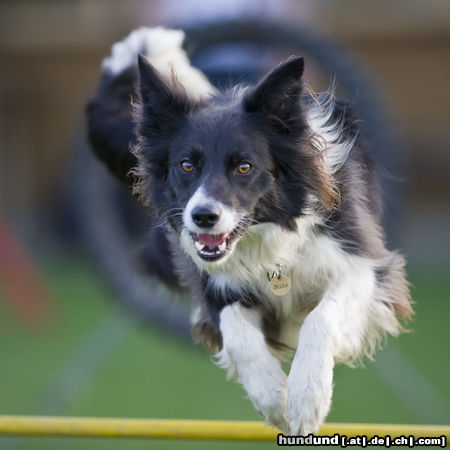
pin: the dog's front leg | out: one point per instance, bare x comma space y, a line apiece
334, 330
246, 355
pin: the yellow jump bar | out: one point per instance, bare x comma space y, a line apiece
191, 429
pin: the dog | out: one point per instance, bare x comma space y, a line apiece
271, 208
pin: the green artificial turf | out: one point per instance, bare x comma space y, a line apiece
147, 373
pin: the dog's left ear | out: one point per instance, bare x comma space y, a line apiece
162, 102
277, 96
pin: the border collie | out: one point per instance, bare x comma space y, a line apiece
270, 204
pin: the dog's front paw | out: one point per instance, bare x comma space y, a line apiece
310, 388
271, 404
268, 393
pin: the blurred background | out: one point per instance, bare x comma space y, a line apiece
69, 347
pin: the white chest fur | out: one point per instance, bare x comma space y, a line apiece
312, 262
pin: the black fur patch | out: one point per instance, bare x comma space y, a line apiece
359, 212
263, 126
110, 125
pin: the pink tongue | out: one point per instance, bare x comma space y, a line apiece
211, 240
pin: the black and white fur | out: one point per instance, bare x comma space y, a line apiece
309, 202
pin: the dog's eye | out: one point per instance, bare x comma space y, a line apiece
187, 166
244, 168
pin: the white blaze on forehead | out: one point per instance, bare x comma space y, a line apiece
228, 217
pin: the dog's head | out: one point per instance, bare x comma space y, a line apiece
213, 168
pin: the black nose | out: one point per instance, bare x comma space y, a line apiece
204, 217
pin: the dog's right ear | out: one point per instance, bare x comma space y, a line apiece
162, 104
276, 98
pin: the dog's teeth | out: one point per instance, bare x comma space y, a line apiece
208, 252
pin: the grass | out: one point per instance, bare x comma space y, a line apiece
150, 374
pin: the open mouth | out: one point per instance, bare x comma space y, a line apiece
212, 247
